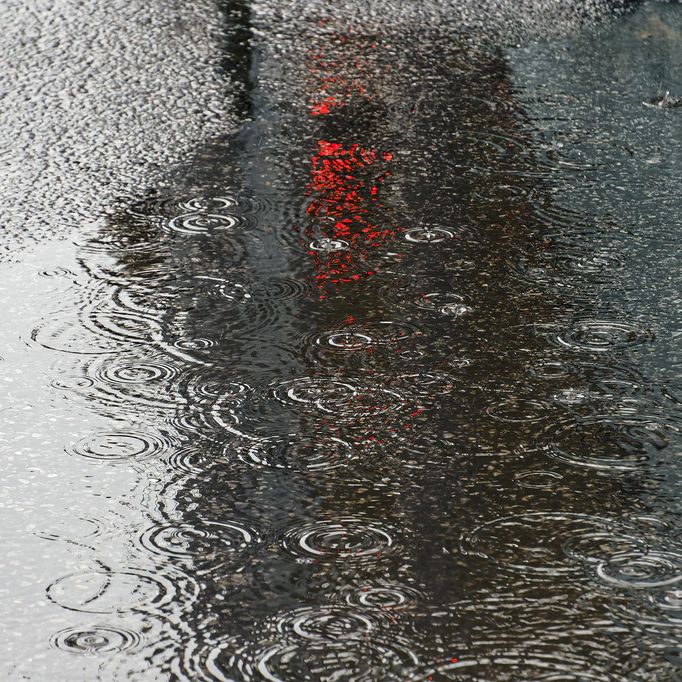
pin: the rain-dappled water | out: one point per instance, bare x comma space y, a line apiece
385, 385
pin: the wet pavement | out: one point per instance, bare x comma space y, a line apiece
382, 383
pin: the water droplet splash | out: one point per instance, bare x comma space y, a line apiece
95, 640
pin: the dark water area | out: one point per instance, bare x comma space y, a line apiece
385, 386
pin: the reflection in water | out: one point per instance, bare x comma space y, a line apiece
385, 414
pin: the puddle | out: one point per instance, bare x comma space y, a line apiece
382, 386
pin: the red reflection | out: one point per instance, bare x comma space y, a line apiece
338, 72
345, 177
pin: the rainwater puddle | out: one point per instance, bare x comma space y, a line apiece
385, 385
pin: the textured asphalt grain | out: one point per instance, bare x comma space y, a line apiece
98, 99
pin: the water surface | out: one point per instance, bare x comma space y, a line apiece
384, 386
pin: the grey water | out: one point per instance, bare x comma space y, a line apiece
341, 343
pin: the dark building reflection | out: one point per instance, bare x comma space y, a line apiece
361, 293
